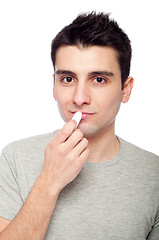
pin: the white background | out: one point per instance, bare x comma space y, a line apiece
27, 27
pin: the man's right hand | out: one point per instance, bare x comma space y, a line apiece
65, 156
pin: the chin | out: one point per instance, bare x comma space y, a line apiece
94, 130
88, 131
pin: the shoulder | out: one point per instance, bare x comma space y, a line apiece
132, 148
30, 144
140, 157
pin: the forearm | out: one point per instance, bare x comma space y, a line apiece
33, 219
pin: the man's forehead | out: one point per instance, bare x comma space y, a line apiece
84, 49
93, 61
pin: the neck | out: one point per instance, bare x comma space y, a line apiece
103, 146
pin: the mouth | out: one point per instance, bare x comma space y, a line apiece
85, 115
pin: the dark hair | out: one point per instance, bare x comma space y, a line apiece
90, 29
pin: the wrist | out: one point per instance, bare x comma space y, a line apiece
51, 190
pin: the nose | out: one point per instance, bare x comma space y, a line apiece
81, 95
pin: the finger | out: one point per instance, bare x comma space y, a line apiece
84, 156
72, 141
66, 131
79, 148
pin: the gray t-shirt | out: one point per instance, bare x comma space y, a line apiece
113, 200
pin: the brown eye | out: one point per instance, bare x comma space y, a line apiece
99, 80
67, 79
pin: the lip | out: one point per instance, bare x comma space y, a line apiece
85, 115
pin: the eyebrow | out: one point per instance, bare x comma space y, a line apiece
101, 73
67, 72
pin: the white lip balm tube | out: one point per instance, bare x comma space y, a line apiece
77, 117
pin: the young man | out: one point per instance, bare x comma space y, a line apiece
83, 183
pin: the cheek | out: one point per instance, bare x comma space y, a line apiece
64, 96
58, 95
110, 103
61, 108
63, 101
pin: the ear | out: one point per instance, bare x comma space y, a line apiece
127, 89
54, 87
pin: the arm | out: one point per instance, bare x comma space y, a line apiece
65, 156
3, 223
33, 219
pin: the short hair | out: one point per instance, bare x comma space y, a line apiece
90, 29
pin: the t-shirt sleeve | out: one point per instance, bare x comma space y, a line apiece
154, 234
10, 198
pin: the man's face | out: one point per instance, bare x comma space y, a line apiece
88, 80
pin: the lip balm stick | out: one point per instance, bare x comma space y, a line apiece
77, 117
